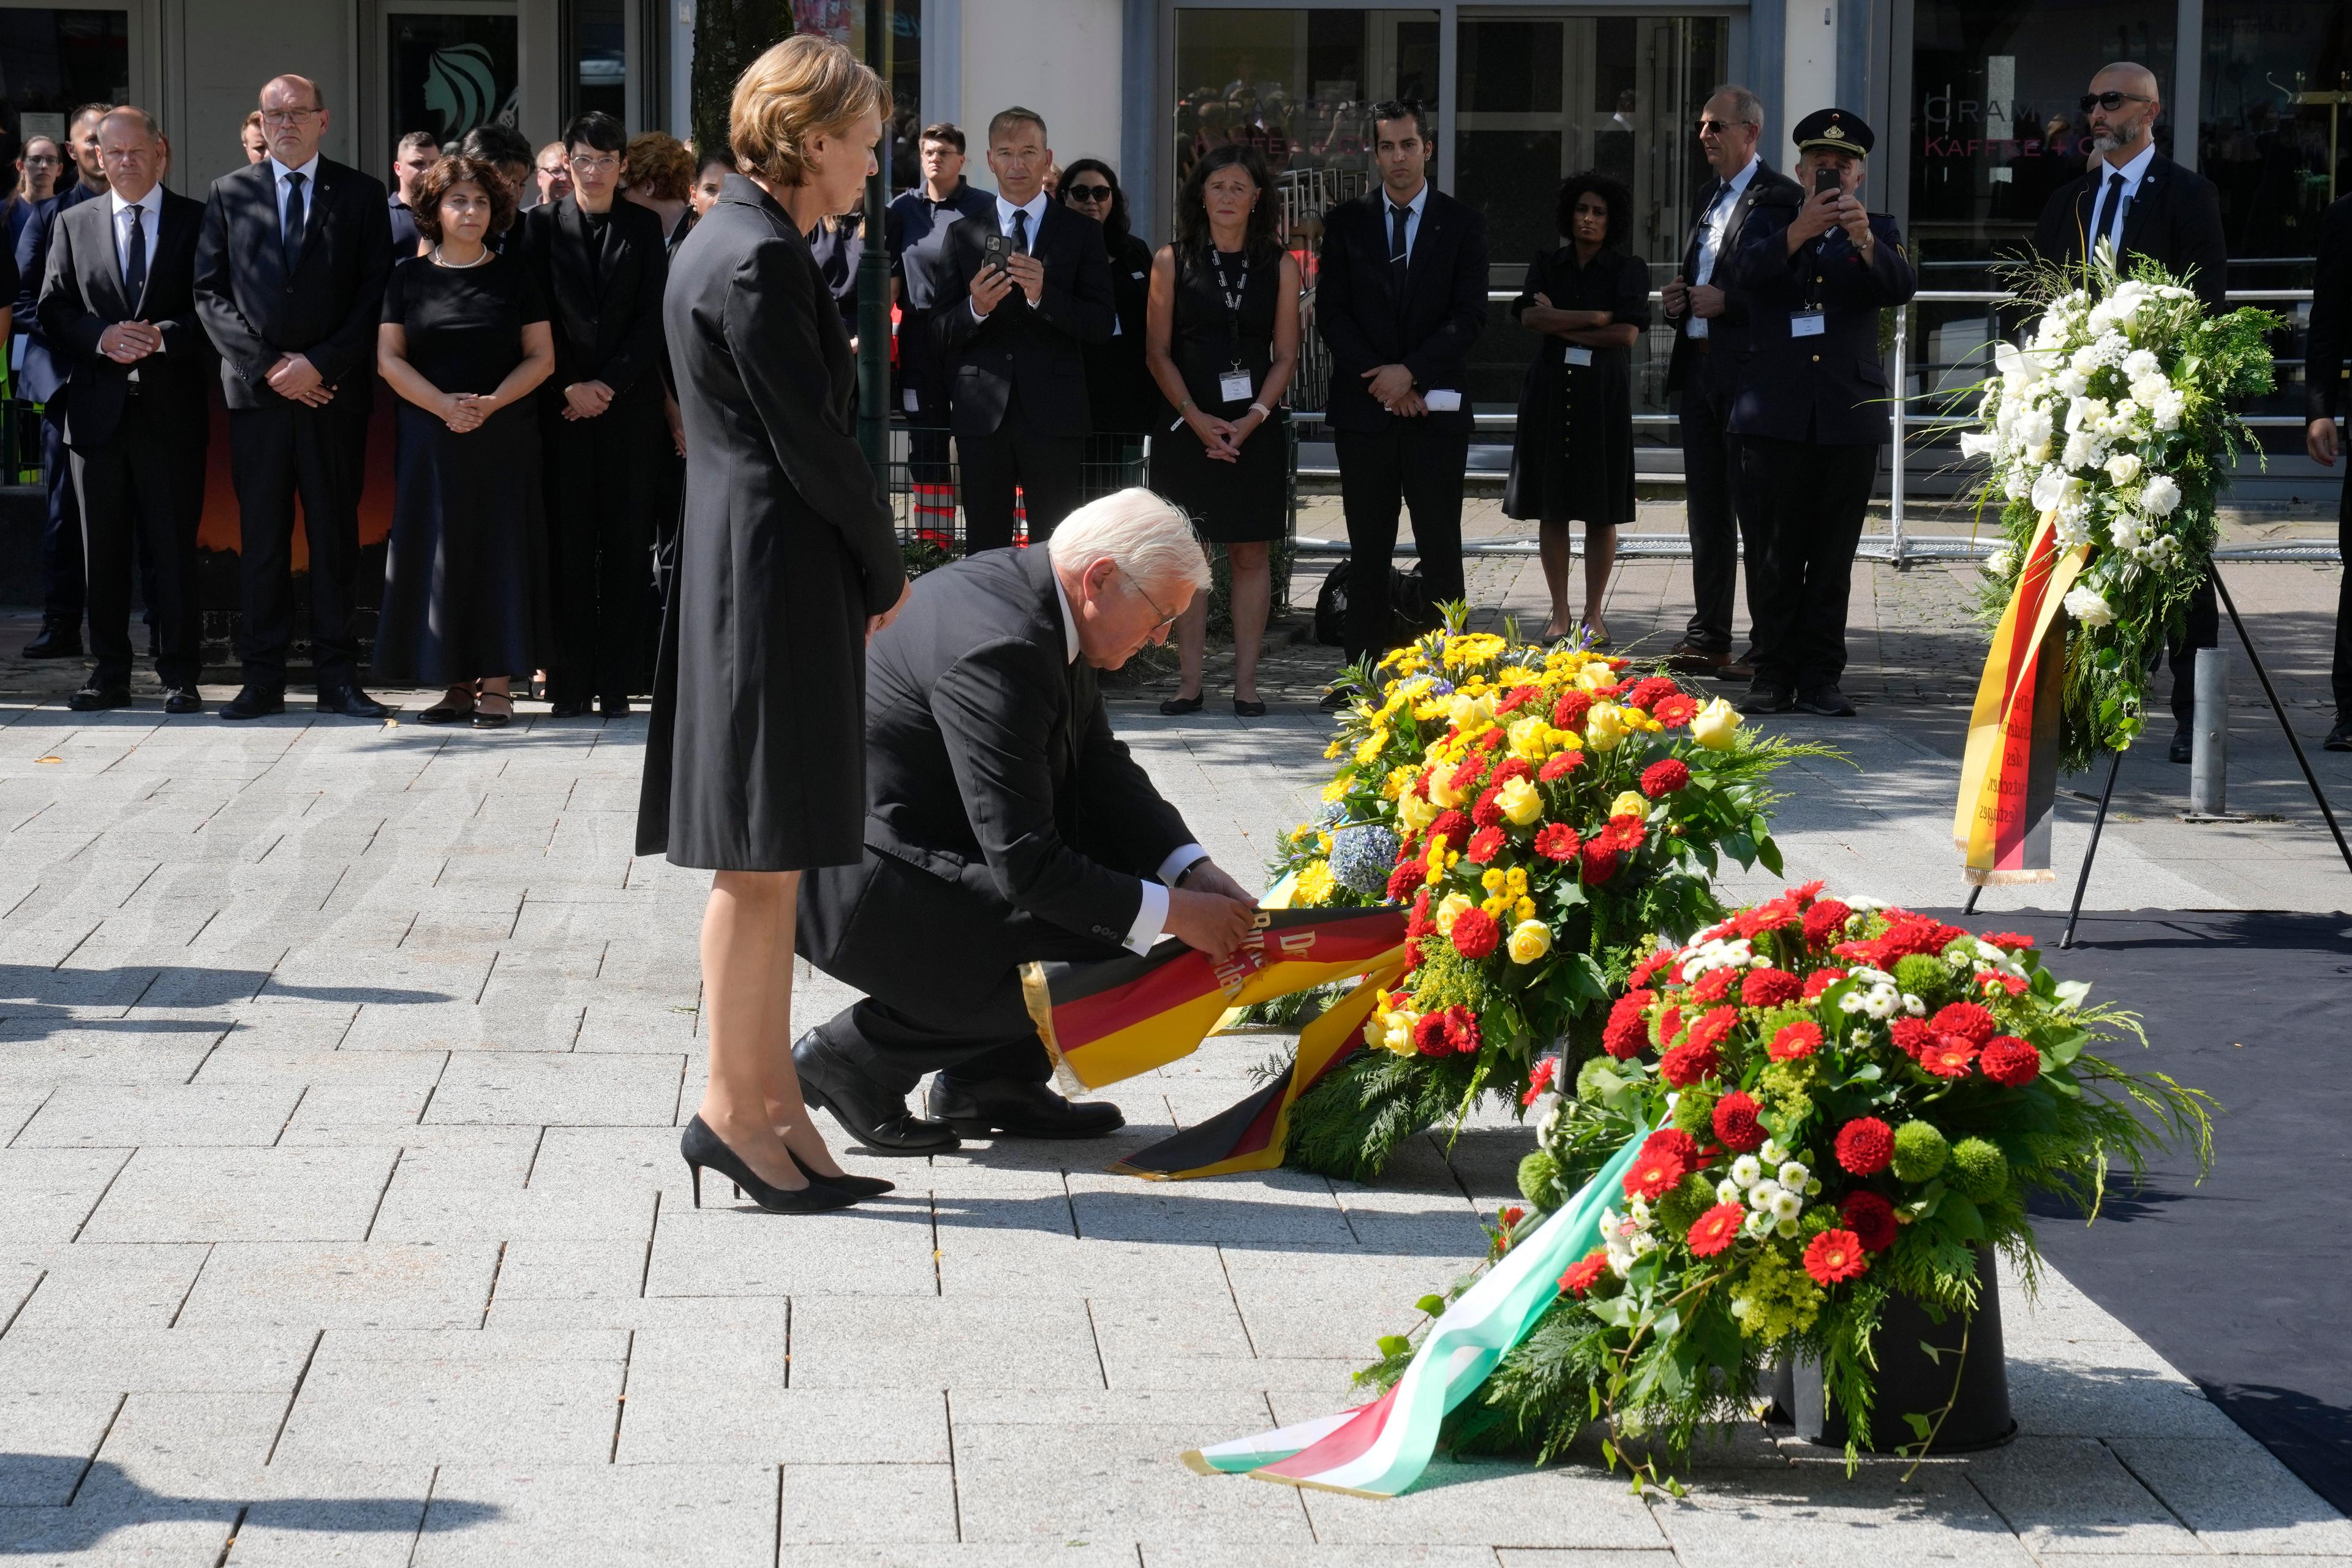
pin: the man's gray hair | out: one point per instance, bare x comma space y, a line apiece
1743, 103
1151, 538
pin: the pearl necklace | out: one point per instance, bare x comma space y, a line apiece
440, 260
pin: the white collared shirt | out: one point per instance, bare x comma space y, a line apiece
309, 172
1151, 918
1710, 234
2133, 173
1414, 209
150, 217
1036, 209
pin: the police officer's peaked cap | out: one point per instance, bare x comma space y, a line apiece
1841, 129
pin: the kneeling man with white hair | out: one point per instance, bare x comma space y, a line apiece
1005, 823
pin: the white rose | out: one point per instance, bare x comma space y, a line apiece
2159, 496
2123, 468
2146, 389
2000, 562
2086, 605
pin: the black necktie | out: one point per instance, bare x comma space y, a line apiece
2107, 213
134, 261
293, 240
1399, 261
1021, 230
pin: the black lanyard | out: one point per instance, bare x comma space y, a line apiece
1234, 294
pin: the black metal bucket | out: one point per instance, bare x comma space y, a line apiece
1910, 1383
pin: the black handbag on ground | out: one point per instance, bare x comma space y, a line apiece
1413, 610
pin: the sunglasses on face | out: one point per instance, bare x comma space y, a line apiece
1719, 127
2111, 101
1089, 193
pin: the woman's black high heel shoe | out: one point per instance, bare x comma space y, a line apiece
855, 1186
701, 1147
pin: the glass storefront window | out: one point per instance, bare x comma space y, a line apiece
843, 21
451, 72
51, 61
2275, 129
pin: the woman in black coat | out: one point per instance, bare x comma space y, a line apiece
1572, 460
1120, 394
787, 562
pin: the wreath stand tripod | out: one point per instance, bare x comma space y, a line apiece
2115, 762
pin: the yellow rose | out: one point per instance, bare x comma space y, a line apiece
1604, 727
1470, 714
1520, 802
1531, 940
1400, 1033
1596, 673
1632, 803
1414, 813
1531, 738
1716, 726
1442, 792
1453, 904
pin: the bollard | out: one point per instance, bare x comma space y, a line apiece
2209, 757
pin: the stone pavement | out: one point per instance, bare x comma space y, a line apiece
341, 1221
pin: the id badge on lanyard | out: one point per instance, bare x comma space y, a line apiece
1578, 354
1807, 324
1234, 387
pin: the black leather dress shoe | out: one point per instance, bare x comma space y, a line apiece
56, 641
2339, 738
1827, 701
2184, 745
184, 699
866, 1110
1766, 697
570, 708
613, 707
255, 703
93, 699
1018, 1108
350, 703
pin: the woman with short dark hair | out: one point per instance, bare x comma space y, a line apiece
1118, 387
464, 342
1222, 339
1573, 458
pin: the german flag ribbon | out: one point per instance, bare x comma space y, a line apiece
2008, 775
1108, 1021
1381, 1448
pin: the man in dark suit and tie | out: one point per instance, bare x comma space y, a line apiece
416, 153
119, 303
290, 282
42, 380
1399, 298
1014, 337
1709, 313
1005, 823
601, 265
2143, 204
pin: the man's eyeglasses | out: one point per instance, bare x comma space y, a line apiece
287, 116
1167, 617
1720, 126
1089, 193
605, 165
2111, 101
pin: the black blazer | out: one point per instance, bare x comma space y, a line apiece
1121, 392
44, 372
1727, 333
1037, 349
2175, 219
83, 295
609, 332
989, 760
2331, 309
1357, 311
327, 311
1828, 388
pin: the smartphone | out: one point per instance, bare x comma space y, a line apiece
1826, 178
995, 251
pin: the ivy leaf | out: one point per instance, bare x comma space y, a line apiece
1393, 1346
1918, 1425
1434, 1306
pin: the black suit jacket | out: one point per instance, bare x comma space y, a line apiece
607, 311
2175, 219
990, 761
1362, 323
1828, 388
1727, 333
327, 311
1036, 351
83, 295
2331, 314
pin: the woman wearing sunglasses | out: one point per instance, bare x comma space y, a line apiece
1118, 387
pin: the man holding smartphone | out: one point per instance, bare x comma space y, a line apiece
1026, 286
1813, 405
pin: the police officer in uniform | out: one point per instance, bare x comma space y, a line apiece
1812, 408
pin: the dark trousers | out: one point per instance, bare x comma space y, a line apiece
926, 450
63, 573
1412, 465
2342, 671
1810, 501
2202, 628
141, 492
278, 452
1049, 469
602, 477
1722, 524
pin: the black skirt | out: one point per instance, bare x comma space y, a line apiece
465, 575
1572, 457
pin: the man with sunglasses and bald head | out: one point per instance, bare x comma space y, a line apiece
2143, 204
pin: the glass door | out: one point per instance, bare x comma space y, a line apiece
449, 68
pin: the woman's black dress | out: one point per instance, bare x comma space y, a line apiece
465, 575
755, 757
1120, 397
1572, 460
1230, 503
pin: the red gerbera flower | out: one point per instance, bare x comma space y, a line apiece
1795, 1040
1667, 1156
1421, 783
1627, 1031
1670, 1024
1455, 826
1820, 980
1488, 740
1966, 1019
2011, 983
1647, 970
1665, 776
1517, 697
1835, 1257
1715, 1230
1949, 1057
1688, 1063
1539, 1078
1649, 691
1465, 777
1864, 1146
1806, 892
1674, 711
1475, 933
1569, 713
1911, 1036
1911, 933
1600, 863
1484, 845
1736, 1123
1557, 841
1485, 812
1511, 768
1559, 765
2011, 1062
1769, 988
1625, 832
1714, 985
2009, 941
1408, 876
1871, 1218
1581, 1273
1462, 1029
1715, 1028
1825, 920
1429, 1035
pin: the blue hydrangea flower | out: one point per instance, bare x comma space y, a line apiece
1332, 812
1362, 856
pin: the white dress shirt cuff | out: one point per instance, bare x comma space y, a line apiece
1151, 915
